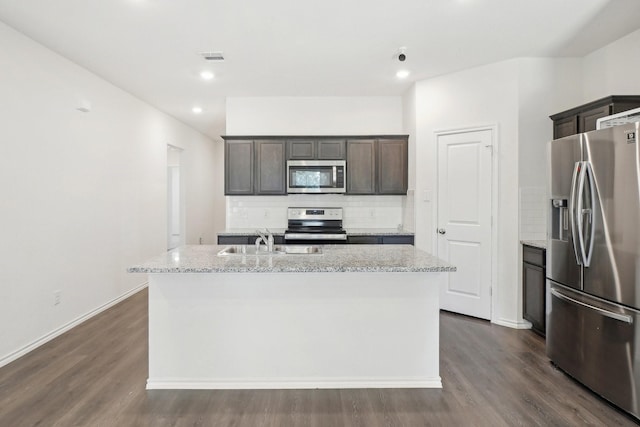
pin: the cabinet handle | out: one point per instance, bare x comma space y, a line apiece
442, 231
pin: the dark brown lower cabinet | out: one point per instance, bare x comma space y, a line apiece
246, 240
363, 240
534, 287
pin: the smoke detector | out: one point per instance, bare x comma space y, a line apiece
212, 56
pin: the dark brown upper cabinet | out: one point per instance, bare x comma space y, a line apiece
331, 149
584, 117
238, 167
361, 166
377, 166
270, 167
316, 149
565, 127
301, 149
254, 167
257, 165
392, 166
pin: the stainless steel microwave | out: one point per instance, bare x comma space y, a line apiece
316, 176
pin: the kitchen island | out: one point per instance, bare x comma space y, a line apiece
355, 316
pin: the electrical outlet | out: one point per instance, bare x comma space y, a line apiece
57, 297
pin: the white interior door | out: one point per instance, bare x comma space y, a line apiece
464, 220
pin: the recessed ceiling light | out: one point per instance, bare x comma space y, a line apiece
402, 74
197, 110
207, 75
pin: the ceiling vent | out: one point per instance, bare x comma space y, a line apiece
212, 56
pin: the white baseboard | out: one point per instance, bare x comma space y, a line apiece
64, 328
291, 383
521, 324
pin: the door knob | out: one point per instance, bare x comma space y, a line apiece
442, 230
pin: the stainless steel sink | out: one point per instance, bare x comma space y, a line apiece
299, 249
244, 250
247, 250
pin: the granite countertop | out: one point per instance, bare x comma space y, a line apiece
248, 232
335, 258
541, 244
350, 232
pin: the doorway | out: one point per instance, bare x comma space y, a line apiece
465, 233
175, 199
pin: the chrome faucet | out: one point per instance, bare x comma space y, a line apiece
266, 238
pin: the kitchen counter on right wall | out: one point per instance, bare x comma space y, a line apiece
542, 244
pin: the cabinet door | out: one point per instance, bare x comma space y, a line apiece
565, 127
361, 164
533, 281
233, 240
301, 149
392, 166
271, 167
397, 240
238, 167
589, 118
619, 106
363, 240
331, 149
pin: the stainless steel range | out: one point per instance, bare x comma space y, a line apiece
315, 225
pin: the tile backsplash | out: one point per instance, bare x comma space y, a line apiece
533, 213
359, 211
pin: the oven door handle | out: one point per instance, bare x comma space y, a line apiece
310, 236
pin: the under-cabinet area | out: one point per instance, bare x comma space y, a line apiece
375, 164
534, 287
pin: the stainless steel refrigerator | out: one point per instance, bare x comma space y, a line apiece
593, 261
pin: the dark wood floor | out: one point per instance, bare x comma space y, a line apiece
95, 375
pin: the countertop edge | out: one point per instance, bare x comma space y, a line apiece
540, 244
335, 259
350, 232
290, 270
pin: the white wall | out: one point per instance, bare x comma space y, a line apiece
518, 96
84, 194
478, 97
545, 86
613, 69
366, 115
219, 199
410, 128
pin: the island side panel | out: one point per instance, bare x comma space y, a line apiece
294, 330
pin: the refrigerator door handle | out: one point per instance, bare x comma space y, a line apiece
580, 211
590, 211
572, 211
617, 316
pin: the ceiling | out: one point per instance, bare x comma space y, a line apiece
151, 48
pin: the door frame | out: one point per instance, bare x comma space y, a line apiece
494, 200
182, 202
